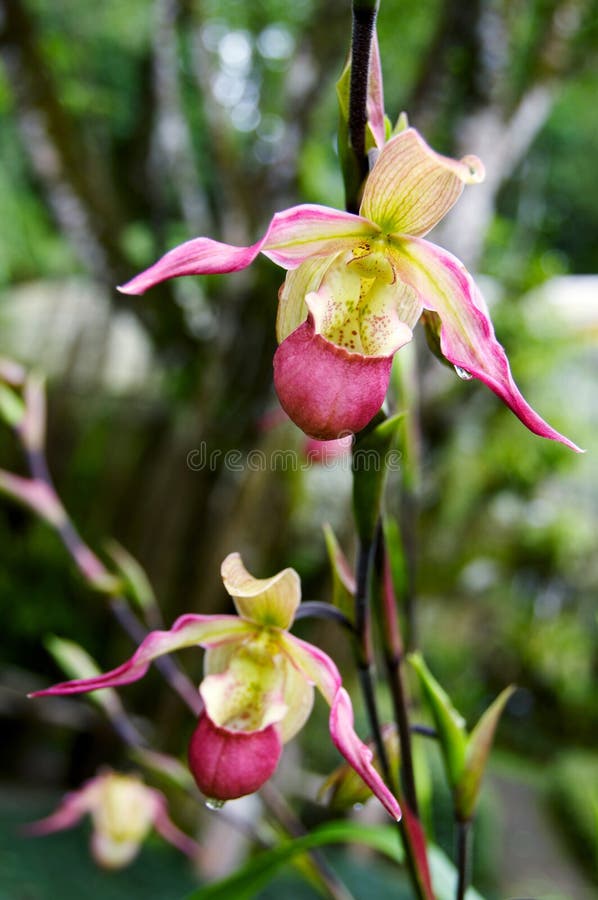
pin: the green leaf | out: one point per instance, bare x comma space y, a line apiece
76, 662
478, 749
450, 725
369, 464
343, 581
396, 554
348, 162
135, 579
245, 883
402, 124
444, 876
12, 408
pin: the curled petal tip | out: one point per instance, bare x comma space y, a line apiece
357, 754
477, 170
129, 288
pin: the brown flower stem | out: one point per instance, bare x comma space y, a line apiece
393, 658
412, 833
364, 23
166, 665
90, 566
463, 854
363, 652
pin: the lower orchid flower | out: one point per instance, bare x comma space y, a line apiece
123, 810
357, 286
258, 687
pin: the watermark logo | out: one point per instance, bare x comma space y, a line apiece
202, 458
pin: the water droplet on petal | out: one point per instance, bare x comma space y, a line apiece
214, 804
463, 374
357, 806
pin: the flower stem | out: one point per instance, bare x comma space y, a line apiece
363, 645
393, 658
412, 833
364, 22
321, 610
92, 568
463, 853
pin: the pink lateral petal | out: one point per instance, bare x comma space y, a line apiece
71, 809
319, 669
200, 256
326, 390
189, 630
294, 235
357, 754
467, 336
302, 232
315, 665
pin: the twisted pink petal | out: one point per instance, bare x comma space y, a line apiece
294, 235
321, 671
189, 630
467, 337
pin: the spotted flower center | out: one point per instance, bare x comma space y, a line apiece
361, 306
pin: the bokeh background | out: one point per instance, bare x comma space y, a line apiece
127, 126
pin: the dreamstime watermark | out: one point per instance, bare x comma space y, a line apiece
201, 458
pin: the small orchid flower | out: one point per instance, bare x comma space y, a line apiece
258, 687
356, 287
123, 810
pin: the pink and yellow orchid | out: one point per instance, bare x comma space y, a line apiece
356, 287
258, 687
123, 810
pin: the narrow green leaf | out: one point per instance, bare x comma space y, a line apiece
247, 881
343, 580
76, 662
450, 725
396, 554
478, 749
347, 159
135, 579
402, 124
444, 876
254, 875
12, 408
370, 468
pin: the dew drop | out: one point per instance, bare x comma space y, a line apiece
357, 806
214, 804
463, 374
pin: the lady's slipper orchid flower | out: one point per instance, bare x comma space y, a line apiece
123, 810
257, 690
358, 285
